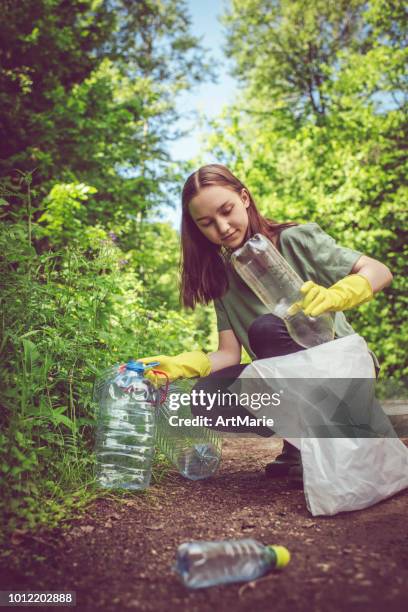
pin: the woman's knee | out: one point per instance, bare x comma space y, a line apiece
268, 337
268, 324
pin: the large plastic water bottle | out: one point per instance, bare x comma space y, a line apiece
125, 434
194, 450
204, 564
277, 285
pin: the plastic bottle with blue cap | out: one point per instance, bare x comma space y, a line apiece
125, 438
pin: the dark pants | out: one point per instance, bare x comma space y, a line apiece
268, 337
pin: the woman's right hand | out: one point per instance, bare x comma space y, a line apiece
184, 365
165, 365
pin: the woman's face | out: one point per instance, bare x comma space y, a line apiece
221, 215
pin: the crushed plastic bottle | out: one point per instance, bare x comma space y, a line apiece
126, 427
277, 285
204, 564
194, 450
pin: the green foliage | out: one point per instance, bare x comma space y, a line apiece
282, 50
66, 316
88, 92
64, 217
103, 114
48, 47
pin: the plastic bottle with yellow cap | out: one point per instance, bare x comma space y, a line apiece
204, 564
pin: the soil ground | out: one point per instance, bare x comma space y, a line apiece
119, 555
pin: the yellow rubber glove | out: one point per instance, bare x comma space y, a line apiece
347, 293
185, 365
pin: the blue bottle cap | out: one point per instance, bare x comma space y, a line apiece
138, 366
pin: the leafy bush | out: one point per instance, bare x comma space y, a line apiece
67, 314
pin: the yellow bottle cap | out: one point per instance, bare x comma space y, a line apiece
282, 556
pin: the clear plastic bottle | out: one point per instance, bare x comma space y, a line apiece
277, 285
194, 450
125, 434
204, 564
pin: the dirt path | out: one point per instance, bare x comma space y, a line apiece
119, 556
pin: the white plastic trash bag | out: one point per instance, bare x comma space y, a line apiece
365, 462
345, 357
343, 474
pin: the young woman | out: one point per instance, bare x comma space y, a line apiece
218, 216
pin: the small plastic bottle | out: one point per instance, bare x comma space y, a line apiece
194, 450
277, 285
125, 434
204, 564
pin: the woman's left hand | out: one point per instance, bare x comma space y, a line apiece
347, 293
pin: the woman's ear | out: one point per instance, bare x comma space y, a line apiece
245, 198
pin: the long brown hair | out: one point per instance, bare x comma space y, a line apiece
203, 272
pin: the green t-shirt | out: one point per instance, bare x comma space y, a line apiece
313, 254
